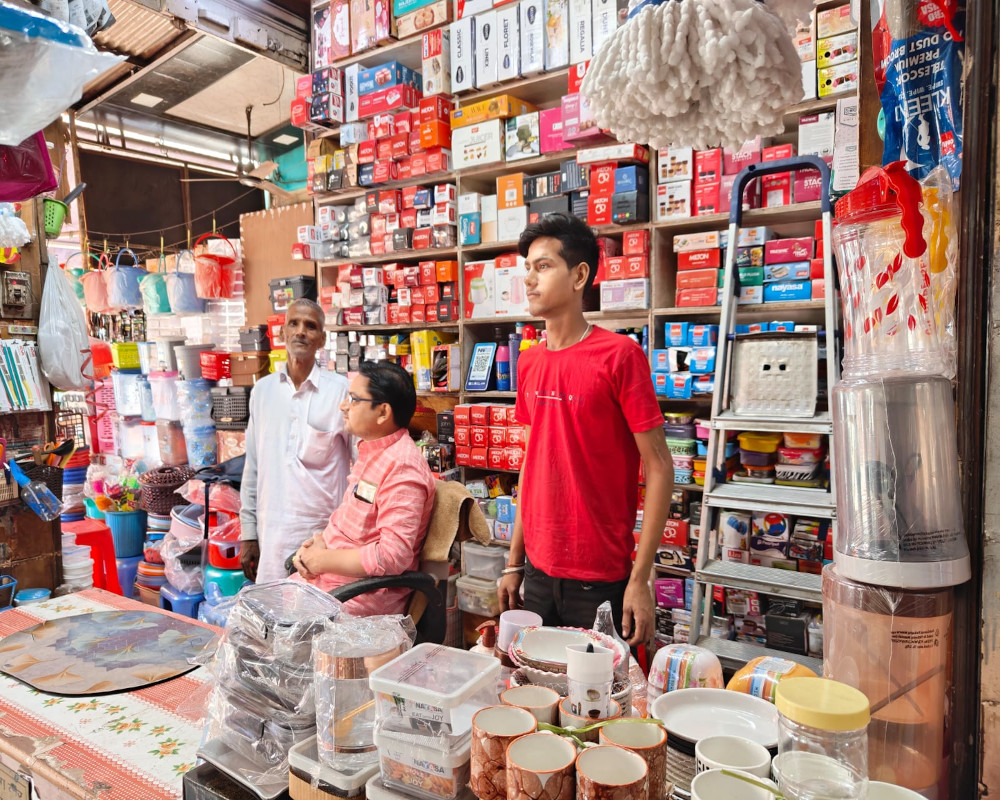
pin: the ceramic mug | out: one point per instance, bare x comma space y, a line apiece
541, 701
717, 785
540, 766
569, 720
887, 791
493, 729
607, 772
647, 740
732, 752
511, 622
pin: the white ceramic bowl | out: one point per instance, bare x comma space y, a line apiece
695, 714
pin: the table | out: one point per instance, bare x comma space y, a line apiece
129, 746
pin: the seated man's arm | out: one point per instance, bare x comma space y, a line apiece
401, 525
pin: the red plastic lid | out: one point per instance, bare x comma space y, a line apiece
887, 192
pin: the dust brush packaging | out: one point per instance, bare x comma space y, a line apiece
581, 23
532, 25
463, 64
509, 42
556, 34
487, 49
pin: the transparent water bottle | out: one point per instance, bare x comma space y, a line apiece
36, 495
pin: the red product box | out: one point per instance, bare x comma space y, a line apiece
411, 276
431, 313
515, 457
698, 279
816, 271
751, 194
778, 152
635, 243
417, 296
689, 298
478, 458
447, 271
422, 238
405, 121
388, 100
498, 416
706, 199
708, 166
808, 186
462, 436
437, 108
377, 224
418, 314
383, 148
735, 160
512, 416
392, 313
515, 436
602, 181
637, 266
435, 134
385, 171
357, 278
354, 316
479, 436
367, 150
496, 458
498, 437
463, 456
408, 218
577, 73
383, 125
463, 415
776, 190
599, 210
428, 273
418, 164
788, 251
409, 195
303, 87
400, 146
675, 533
390, 201
438, 160
431, 294
550, 126
614, 268
819, 289
700, 259
479, 414
413, 137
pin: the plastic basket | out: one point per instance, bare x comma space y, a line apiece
231, 408
70, 425
181, 290
125, 355
128, 531
8, 588
55, 214
775, 374
8, 487
159, 488
248, 368
214, 274
214, 365
50, 476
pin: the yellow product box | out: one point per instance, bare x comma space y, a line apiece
499, 107
422, 344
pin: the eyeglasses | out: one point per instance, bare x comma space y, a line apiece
355, 400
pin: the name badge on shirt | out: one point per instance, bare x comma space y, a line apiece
365, 491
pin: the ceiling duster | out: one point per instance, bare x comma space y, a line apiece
699, 73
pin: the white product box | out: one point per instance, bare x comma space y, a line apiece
510, 223
479, 285
487, 49
469, 203
445, 193
463, 62
805, 39
509, 42
436, 62
532, 24
846, 155
675, 164
809, 80
521, 137
510, 295
444, 214
473, 145
608, 16
673, 201
581, 25
556, 34
351, 101
816, 134
624, 295
488, 205
469, 8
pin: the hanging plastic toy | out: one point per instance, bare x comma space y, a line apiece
696, 72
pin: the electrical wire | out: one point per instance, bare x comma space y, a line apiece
278, 98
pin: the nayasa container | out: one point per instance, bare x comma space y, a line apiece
418, 767
284, 291
435, 690
481, 561
304, 765
478, 596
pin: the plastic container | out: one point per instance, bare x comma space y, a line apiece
672, 431
752, 458
436, 689
163, 385
128, 531
417, 767
810, 440
682, 447
202, 445
682, 477
214, 365
189, 360
276, 357
228, 581
899, 512
150, 444
683, 666
870, 634
482, 561
194, 397
822, 740
126, 387
224, 549
478, 596
148, 595
258, 732
245, 369
678, 418
27, 596
761, 676
304, 763
170, 441
800, 455
759, 442
254, 339
147, 410
275, 323
148, 362
795, 472
125, 355
284, 291
166, 359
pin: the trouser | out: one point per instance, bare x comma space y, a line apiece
561, 601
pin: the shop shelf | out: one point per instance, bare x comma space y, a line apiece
435, 253
728, 421
407, 51
734, 655
411, 326
797, 212
349, 194
732, 575
537, 90
783, 499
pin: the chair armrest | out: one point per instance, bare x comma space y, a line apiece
419, 581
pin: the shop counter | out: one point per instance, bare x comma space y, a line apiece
129, 746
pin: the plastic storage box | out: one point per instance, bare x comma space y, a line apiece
304, 764
284, 291
248, 367
481, 561
254, 339
434, 689
478, 596
214, 365
418, 767
275, 323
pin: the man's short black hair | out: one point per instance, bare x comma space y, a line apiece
578, 244
390, 383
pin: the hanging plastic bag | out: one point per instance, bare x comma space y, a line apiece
63, 344
123, 283
215, 274
13, 231
25, 168
44, 65
95, 287
181, 290
74, 274
154, 290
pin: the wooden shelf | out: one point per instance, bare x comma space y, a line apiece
435, 253
530, 165
421, 393
353, 192
398, 328
492, 394
797, 212
537, 89
407, 51
756, 309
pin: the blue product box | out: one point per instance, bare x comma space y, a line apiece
503, 531
678, 385
702, 360
631, 179
781, 327
799, 271
470, 228
423, 198
675, 334
787, 292
688, 593
703, 335
366, 175
703, 384
392, 73
660, 380
661, 361
505, 508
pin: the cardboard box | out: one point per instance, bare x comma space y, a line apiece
608, 15
322, 53
846, 155
489, 217
387, 100
784, 251
675, 164
437, 108
550, 128
700, 259
708, 166
392, 73
430, 16
436, 64
613, 152
475, 145
510, 223
698, 279
787, 292
696, 298
510, 294
463, 62
834, 22
351, 99
751, 194
362, 25
509, 42
599, 210
636, 266
487, 49
602, 180
837, 79
510, 190
706, 199
776, 190
479, 289
809, 87
340, 29
733, 161
556, 34
837, 50
499, 107
790, 634
630, 207
625, 295
785, 272
532, 30
673, 201
522, 137
581, 39
635, 243
631, 179
816, 134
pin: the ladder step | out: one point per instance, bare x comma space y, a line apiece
765, 497
728, 421
768, 580
735, 655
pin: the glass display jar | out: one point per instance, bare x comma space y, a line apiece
822, 740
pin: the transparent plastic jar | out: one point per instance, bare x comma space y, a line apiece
822, 740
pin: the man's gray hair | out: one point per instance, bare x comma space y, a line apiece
312, 305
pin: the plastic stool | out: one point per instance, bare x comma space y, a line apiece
97, 536
127, 570
175, 600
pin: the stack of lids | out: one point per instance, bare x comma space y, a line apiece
74, 479
150, 575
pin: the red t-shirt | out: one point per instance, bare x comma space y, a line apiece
580, 485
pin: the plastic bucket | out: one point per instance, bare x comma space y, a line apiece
128, 531
55, 214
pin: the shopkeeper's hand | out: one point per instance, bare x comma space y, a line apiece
637, 613
250, 557
509, 591
309, 555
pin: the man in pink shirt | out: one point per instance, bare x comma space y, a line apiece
380, 525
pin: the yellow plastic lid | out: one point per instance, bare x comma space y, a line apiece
823, 704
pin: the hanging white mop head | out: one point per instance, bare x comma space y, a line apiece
698, 73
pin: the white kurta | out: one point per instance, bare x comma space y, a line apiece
297, 461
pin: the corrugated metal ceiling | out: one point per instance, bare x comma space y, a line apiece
137, 32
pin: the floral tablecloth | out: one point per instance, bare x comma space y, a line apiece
130, 746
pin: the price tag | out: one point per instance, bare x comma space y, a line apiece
13, 785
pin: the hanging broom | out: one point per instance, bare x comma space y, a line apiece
697, 73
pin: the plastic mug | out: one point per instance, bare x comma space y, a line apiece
540, 701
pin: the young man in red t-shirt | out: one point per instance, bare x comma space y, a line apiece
587, 404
